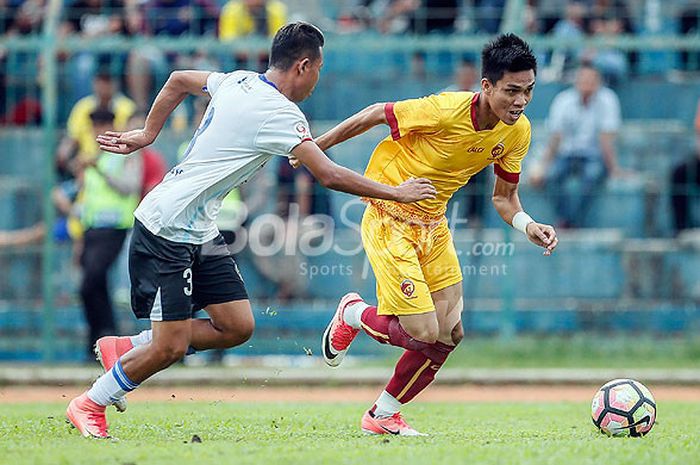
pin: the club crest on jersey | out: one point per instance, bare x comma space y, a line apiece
302, 130
497, 151
408, 288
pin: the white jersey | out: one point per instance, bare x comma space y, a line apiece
247, 122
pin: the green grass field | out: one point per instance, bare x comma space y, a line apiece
158, 433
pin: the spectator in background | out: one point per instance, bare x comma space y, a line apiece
8, 13
148, 66
18, 74
609, 18
182, 17
466, 77
26, 112
28, 19
685, 186
240, 18
416, 16
549, 13
488, 15
570, 28
689, 22
91, 19
434, 16
110, 193
146, 62
80, 138
583, 122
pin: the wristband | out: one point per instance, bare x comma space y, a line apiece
521, 220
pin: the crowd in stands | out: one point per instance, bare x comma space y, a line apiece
124, 82
102, 90
143, 68
91, 80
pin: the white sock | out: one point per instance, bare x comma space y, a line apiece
386, 405
353, 313
111, 386
142, 338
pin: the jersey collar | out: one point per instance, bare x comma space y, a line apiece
267, 81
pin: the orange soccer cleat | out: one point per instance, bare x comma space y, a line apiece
88, 417
339, 335
108, 349
394, 424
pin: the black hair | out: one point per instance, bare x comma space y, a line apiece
588, 64
506, 53
103, 74
102, 115
293, 42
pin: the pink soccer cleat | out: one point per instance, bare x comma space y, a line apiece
339, 335
108, 349
394, 424
88, 417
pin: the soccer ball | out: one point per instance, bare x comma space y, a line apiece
623, 407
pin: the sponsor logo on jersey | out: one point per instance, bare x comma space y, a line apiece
407, 287
475, 150
302, 130
497, 151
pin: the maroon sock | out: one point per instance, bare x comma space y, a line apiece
415, 371
388, 330
376, 326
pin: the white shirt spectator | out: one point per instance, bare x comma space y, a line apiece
581, 125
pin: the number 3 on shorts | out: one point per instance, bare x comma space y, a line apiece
187, 274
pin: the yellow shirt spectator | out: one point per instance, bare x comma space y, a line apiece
236, 19
80, 126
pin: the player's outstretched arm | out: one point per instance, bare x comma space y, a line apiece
179, 85
507, 203
355, 125
339, 178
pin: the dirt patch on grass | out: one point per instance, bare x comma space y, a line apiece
467, 393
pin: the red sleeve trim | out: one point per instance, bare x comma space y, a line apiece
512, 178
300, 142
393, 122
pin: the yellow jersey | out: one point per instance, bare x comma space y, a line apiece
437, 137
79, 125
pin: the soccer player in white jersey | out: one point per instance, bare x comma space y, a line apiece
178, 261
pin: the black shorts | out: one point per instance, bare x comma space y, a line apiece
171, 280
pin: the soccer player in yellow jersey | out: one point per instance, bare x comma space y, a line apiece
446, 138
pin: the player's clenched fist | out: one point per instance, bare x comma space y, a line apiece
413, 190
543, 235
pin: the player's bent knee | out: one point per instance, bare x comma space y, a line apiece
457, 334
427, 335
240, 333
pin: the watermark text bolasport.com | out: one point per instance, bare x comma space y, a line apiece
314, 271
270, 235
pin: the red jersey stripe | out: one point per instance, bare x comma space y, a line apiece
512, 178
391, 119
